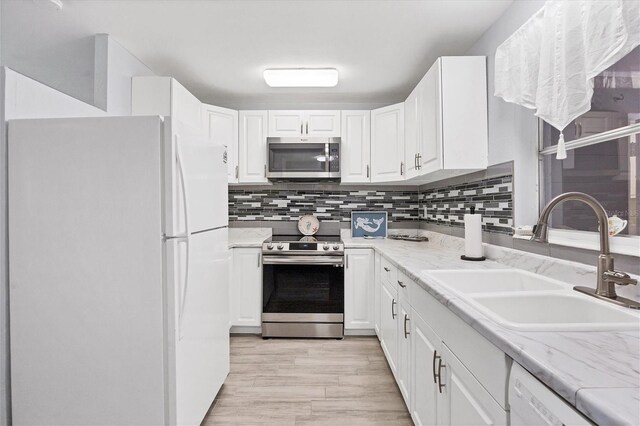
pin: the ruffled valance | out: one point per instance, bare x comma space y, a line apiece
549, 63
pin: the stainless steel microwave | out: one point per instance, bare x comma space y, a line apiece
303, 158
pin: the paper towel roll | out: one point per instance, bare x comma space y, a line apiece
473, 235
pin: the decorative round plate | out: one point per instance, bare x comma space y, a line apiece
308, 224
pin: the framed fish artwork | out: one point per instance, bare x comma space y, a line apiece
369, 224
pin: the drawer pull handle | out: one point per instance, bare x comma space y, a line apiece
402, 284
393, 311
440, 367
406, 333
435, 357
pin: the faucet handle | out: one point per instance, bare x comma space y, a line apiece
619, 278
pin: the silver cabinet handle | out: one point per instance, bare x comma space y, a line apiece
419, 161
265, 170
237, 172
440, 367
415, 161
435, 357
401, 168
307, 127
393, 311
403, 285
367, 170
301, 132
406, 333
346, 263
387, 269
259, 260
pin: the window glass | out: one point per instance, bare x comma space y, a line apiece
607, 171
615, 102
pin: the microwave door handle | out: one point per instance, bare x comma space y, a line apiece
327, 163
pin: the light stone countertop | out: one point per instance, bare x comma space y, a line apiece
597, 372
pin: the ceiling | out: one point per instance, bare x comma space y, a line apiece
218, 49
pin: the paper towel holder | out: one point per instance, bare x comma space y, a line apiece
469, 258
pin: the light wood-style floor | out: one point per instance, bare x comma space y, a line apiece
308, 382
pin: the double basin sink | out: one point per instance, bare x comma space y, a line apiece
525, 301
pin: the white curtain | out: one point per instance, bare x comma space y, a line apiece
549, 63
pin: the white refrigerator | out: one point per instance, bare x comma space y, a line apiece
118, 271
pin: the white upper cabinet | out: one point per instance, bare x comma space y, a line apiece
411, 133
252, 147
358, 289
165, 96
312, 123
452, 118
355, 147
222, 127
387, 144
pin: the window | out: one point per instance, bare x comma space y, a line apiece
603, 158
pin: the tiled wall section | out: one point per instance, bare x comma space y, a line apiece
493, 198
246, 204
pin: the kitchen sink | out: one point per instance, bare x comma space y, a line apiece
495, 280
555, 312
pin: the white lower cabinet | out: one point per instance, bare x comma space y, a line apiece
359, 289
425, 347
389, 326
438, 388
462, 400
246, 287
403, 374
376, 295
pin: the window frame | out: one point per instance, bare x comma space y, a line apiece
623, 244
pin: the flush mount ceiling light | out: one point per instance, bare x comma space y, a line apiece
301, 77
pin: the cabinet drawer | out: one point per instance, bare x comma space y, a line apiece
403, 287
485, 361
389, 273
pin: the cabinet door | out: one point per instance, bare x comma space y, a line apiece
284, 123
389, 326
412, 133
222, 125
404, 351
425, 346
376, 300
322, 123
358, 289
246, 287
463, 400
387, 144
430, 119
252, 147
355, 147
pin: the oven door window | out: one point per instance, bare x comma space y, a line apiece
297, 157
303, 289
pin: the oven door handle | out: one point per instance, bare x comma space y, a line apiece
303, 260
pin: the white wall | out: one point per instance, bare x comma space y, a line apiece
513, 130
114, 67
22, 97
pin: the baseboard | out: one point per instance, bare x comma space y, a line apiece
360, 332
243, 329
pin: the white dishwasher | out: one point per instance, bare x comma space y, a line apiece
533, 404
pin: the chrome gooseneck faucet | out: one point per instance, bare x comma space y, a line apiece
607, 276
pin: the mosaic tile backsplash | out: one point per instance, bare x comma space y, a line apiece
493, 198
446, 205
326, 204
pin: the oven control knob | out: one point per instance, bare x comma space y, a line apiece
336, 247
280, 246
325, 246
269, 246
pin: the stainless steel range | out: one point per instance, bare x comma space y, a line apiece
303, 286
